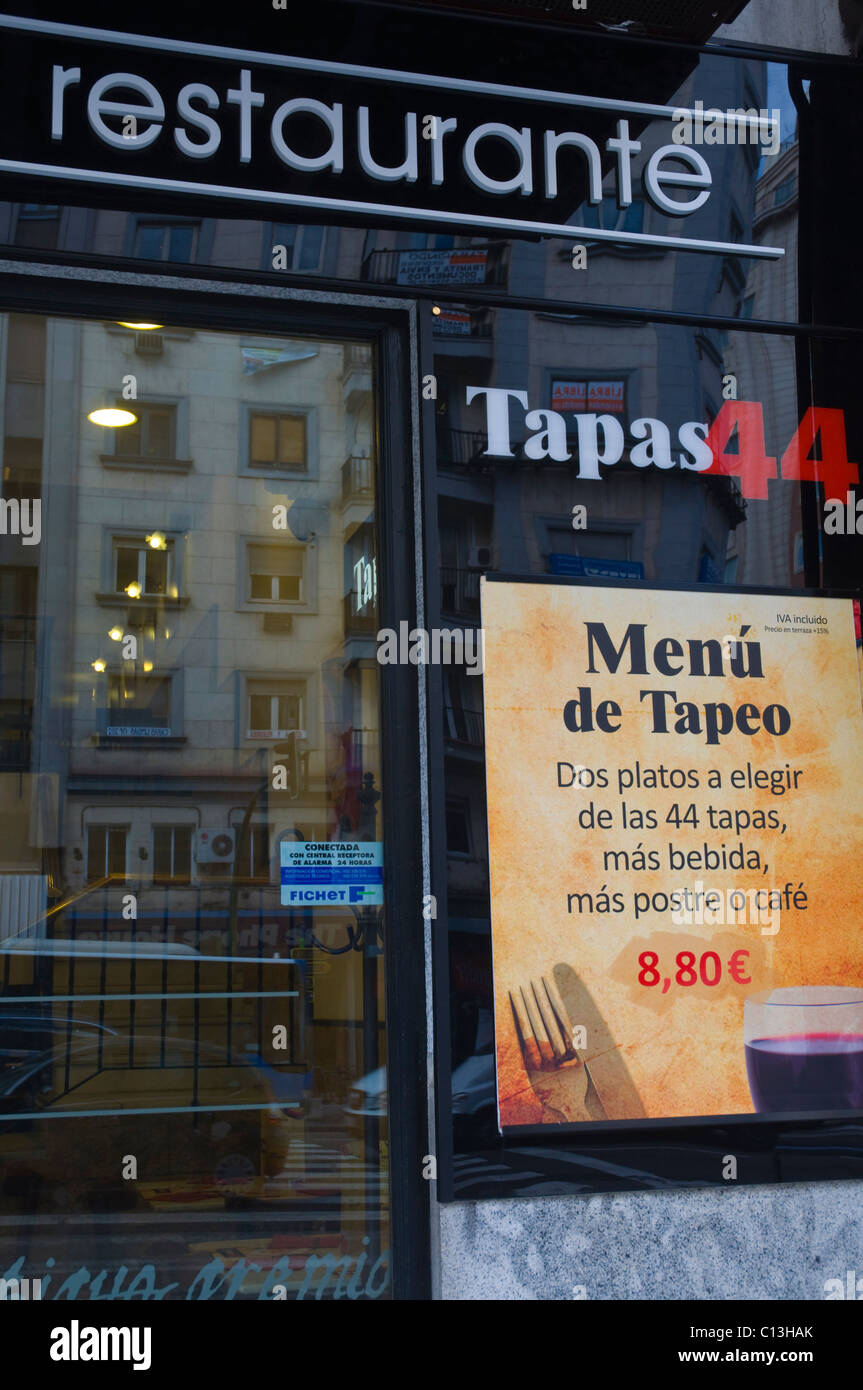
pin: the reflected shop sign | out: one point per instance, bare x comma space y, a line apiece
157, 118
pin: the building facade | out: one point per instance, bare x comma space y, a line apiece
246, 880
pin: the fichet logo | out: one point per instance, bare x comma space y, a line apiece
77, 1343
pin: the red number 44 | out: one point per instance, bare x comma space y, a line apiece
821, 426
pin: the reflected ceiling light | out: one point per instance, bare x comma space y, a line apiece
134, 590
98, 665
435, 309
156, 541
111, 417
116, 634
140, 327
148, 665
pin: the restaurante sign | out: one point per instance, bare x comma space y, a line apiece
331, 137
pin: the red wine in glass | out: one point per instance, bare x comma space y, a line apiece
806, 1071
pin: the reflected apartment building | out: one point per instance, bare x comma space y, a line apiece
155, 764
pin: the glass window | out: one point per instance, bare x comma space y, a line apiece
275, 573
712, 472
253, 852
785, 190
151, 436
273, 709
172, 853
137, 701
310, 248
277, 441
106, 852
458, 828
609, 215
303, 245
142, 568
38, 225
166, 241
204, 765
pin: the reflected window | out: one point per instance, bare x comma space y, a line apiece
253, 853
15, 727
784, 191
273, 709
172, 853
303, 246
106, 852
142, 569
153, 435
458, 837
277, 440
139, 702
38, 225
275, 573
166, 241
613, 218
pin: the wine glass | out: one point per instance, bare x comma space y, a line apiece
804, 1048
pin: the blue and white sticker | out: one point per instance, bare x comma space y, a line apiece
315, 873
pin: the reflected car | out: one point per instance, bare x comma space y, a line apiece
189, 1114
473, 1089
24, 1037
368, 1096
473, 1085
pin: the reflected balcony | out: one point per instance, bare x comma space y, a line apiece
17, 657
460, 593
359, 624
358, 479
464, 727
461, 449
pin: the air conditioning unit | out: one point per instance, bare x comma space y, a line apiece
149, 344
215, 846
479, 557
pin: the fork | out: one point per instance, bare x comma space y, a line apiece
556, 1069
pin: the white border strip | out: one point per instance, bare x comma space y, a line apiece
459, 219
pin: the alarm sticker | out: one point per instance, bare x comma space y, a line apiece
331, 871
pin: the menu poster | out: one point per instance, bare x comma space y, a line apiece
675, 816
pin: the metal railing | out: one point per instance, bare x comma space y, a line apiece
359, 624
459, 591
459, 447
464, 726
357, 478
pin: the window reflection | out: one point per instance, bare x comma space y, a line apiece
188, 684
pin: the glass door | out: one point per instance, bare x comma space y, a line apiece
193, 1088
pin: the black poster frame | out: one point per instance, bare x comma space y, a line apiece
651, 1154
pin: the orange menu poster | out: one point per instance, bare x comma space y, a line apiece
675, 816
